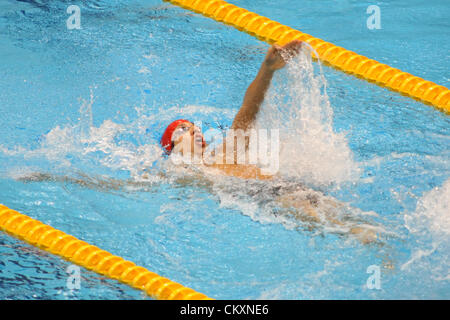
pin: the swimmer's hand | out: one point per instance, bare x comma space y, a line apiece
277, 55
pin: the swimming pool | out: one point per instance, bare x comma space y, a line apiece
92, 103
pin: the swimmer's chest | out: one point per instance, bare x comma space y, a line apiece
241, 171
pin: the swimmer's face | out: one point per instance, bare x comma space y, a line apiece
188, 136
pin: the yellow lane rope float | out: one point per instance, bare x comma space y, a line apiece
93, 258
273, 32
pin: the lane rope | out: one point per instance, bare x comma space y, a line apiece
93, 258
348, 61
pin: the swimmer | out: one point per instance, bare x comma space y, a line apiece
186, 139
182, 137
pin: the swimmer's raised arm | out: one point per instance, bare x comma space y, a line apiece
254, 96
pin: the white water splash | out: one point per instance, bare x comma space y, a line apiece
432, 215
430, 225
298, 105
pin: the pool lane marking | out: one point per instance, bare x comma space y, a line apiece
342, 59
93, 258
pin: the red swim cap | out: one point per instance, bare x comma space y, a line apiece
166, 140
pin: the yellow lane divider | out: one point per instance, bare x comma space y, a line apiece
271, 31
92, 258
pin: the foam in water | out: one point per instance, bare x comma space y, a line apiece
82, 146
432, 213
429, 228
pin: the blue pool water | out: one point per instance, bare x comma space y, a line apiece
91, 105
